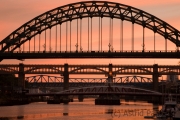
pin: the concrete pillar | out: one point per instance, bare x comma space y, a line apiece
21, 76
155, 77
66, 77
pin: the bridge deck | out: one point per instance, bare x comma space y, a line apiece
88, 54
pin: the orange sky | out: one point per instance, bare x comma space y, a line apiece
15, 13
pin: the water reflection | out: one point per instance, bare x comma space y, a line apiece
20, 112
77, 111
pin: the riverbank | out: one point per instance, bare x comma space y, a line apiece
13, 102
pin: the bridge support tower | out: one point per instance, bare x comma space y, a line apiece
66, 99
66, 77
21, 76
155, 77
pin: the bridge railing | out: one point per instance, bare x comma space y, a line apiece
104, 51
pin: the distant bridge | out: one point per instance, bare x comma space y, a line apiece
110, 71
102, 90
49, 35
55, 81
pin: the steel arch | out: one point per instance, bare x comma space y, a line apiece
86, 68
36, 68
142, 69
107, 89
91, 9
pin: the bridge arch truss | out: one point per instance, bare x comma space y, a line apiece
88, 9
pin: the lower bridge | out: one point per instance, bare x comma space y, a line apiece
78, 85
55, 81
101, 90
107, 94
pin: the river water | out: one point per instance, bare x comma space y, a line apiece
78, 111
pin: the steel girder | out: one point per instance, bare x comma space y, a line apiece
91, 69
91, 9
107, 89
56, 79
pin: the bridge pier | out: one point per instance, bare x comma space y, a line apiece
80, 98
110, 99
21, 76
66, 99
66, 77
155, 100
155, 77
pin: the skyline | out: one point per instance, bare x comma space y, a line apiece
13, 16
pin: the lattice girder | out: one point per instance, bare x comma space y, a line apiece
88, 9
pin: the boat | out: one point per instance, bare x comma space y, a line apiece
170, 109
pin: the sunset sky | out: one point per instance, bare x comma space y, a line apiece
15, 13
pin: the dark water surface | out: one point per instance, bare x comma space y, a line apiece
78, 111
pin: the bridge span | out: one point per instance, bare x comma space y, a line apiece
105, 90
110, 71
61, 33
102, 90
58, 81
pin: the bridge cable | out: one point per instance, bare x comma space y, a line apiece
122, 35
23, 48
70, 35
66, 34
56, 39
143, 45
101, 34
45, 40
166, 45
80, 33
50, 40
154, 41
91, 34
29, 45
60, 36
112, 35
132, 36
77, 36
34, 42
39, 40
88, 33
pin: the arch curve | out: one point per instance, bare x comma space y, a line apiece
91, 9
86, 68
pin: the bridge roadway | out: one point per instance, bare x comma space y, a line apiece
108, 70
98, 93
77, 85
90, 69
89, 54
